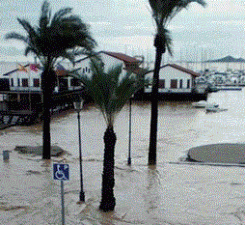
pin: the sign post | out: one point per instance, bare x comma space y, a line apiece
61, 172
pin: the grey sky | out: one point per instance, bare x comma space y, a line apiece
127, 26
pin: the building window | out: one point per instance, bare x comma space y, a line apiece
12, 82
24, 82
173, 83
75, 82
36, 82
181, 83
161, 84
188, 83
63, 84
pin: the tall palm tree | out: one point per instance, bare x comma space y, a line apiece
63, 35
110, 91
163, 12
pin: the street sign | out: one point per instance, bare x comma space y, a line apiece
61, 171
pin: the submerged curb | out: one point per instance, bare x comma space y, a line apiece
38, 150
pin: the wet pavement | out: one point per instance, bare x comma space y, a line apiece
171, 193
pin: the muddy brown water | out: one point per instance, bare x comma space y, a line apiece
170, 193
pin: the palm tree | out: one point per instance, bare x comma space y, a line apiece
110, 91
63, 35
162, 11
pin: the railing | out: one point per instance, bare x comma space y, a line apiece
170, 90
25, 89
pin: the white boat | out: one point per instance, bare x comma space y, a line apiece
212, 108
204, 104
229, 88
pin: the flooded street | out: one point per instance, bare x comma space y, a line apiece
170, 193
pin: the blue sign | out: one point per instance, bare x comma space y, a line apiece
61, 171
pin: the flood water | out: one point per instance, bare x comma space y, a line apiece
171, 193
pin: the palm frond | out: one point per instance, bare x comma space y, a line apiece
74, 29
95, 91
163, 12
109, 90
183, 4
73, 20
65, 35
82, 51
30, 49
14, 35
68, 55
166, 37
27, 26
45, 16
125, 90
58, 16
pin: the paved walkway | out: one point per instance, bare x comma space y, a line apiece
218, 153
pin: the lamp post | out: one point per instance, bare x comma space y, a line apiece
129, 138
78, 107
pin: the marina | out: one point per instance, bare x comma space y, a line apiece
21, 95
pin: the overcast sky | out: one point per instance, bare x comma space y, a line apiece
126, 26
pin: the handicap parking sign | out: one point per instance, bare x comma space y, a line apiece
61, 171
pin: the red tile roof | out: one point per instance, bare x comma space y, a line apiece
178, 67
123, 57
15, 70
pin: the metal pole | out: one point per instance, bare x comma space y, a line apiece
62, 202
129, 139
5, 155
82, 195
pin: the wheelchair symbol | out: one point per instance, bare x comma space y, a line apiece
61, 171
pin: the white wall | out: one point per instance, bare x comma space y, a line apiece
167, 73
108, 61
30, 75
112, 62
84, 66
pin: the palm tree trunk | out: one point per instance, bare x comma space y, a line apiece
46, 116
160, 49
108, 201
48, 85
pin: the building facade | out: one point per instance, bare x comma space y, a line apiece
174, 79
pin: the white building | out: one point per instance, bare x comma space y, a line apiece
23, 84
110, 59
21, 87
24, 78
174, 79
28, 78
